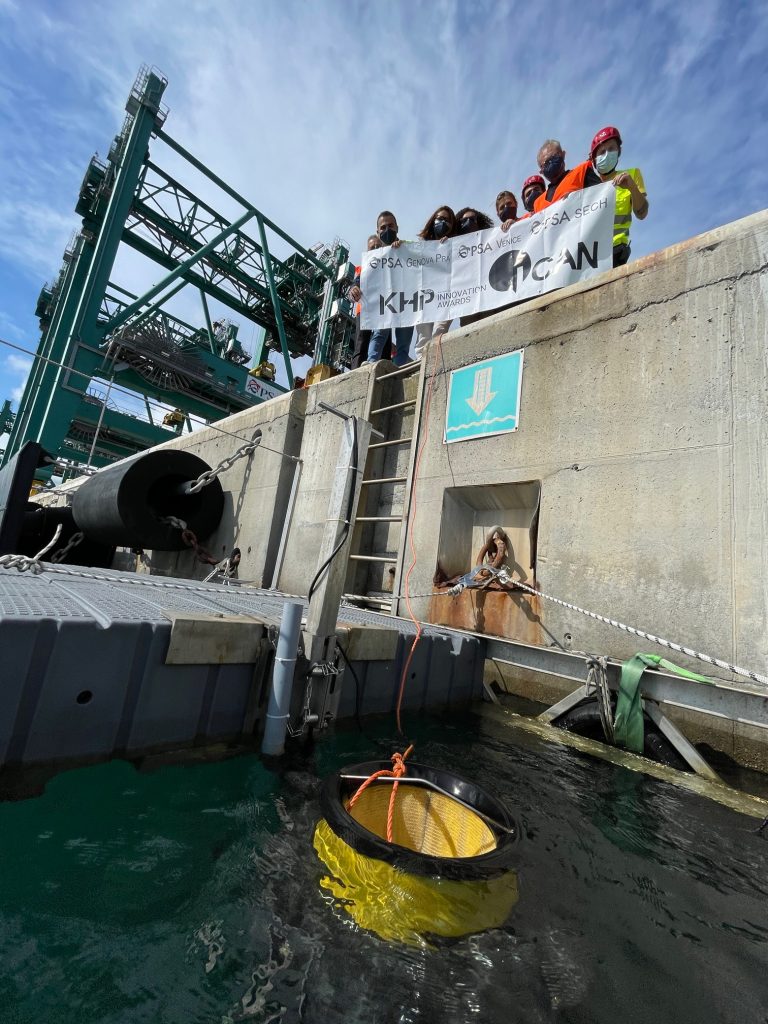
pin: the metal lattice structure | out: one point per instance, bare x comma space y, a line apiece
91, 327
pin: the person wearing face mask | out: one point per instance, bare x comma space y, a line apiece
506, 209
439, 228
551, 160
386, 230
469, 219
532, 188
604, 153
363, 337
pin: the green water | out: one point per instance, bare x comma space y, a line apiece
191, 894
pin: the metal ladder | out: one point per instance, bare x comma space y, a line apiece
393, 406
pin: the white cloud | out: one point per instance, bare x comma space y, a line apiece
324, 113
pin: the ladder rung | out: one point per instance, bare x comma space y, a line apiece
388, 444
386, 480
401, 371
379, 519
373, 558
398, 405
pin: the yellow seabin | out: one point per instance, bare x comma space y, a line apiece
408, 907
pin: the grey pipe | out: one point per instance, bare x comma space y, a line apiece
278, 709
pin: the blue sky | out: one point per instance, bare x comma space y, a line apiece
323, 113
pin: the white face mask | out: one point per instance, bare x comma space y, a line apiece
607, 161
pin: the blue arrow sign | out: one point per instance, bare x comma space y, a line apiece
484, 398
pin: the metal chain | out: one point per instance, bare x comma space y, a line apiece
210, 474
74, 540
23, 563
190, 539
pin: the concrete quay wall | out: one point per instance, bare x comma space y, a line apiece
636, 484
643, 420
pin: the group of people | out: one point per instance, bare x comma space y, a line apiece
554, 182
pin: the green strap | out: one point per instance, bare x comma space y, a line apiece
659, 662
628, 727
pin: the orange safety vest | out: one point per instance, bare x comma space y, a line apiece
358, 305
572, 182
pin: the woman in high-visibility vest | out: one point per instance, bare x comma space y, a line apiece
630, 188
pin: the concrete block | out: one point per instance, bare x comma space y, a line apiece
214, 639
368, 643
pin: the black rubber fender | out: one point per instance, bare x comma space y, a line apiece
336, 789
584, 720
124, 504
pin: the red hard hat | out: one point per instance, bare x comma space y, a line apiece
535, 179
603, 135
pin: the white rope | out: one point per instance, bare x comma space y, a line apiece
22, 563
669, 644
132, 580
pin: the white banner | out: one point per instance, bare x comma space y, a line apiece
423, 282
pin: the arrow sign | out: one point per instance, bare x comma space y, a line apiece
482, 396
492, 410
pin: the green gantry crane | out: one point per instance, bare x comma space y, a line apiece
92, 327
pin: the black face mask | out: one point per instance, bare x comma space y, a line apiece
508, 212
387, 235
553, 168
440, 227
468, 224
530, 198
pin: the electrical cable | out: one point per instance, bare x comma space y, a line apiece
348, 516
358, 686
412, 521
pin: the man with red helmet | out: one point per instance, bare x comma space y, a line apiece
604, 154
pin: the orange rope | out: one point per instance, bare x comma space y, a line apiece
411, 524
396, 771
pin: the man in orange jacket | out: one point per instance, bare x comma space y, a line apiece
562, 182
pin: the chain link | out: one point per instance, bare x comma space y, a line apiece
190, 539
74, 540
23, 563
210, 474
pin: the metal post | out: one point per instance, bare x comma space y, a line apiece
208, 324
154, 306
286, 524
275, 299
278, 709
324, 605
101, 418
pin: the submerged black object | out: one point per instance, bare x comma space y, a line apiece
338, 788
124, 504
584, 720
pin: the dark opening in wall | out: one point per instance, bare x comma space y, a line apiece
469, 513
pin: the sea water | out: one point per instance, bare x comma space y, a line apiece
191, 895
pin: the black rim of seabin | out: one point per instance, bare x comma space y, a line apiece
336, 789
